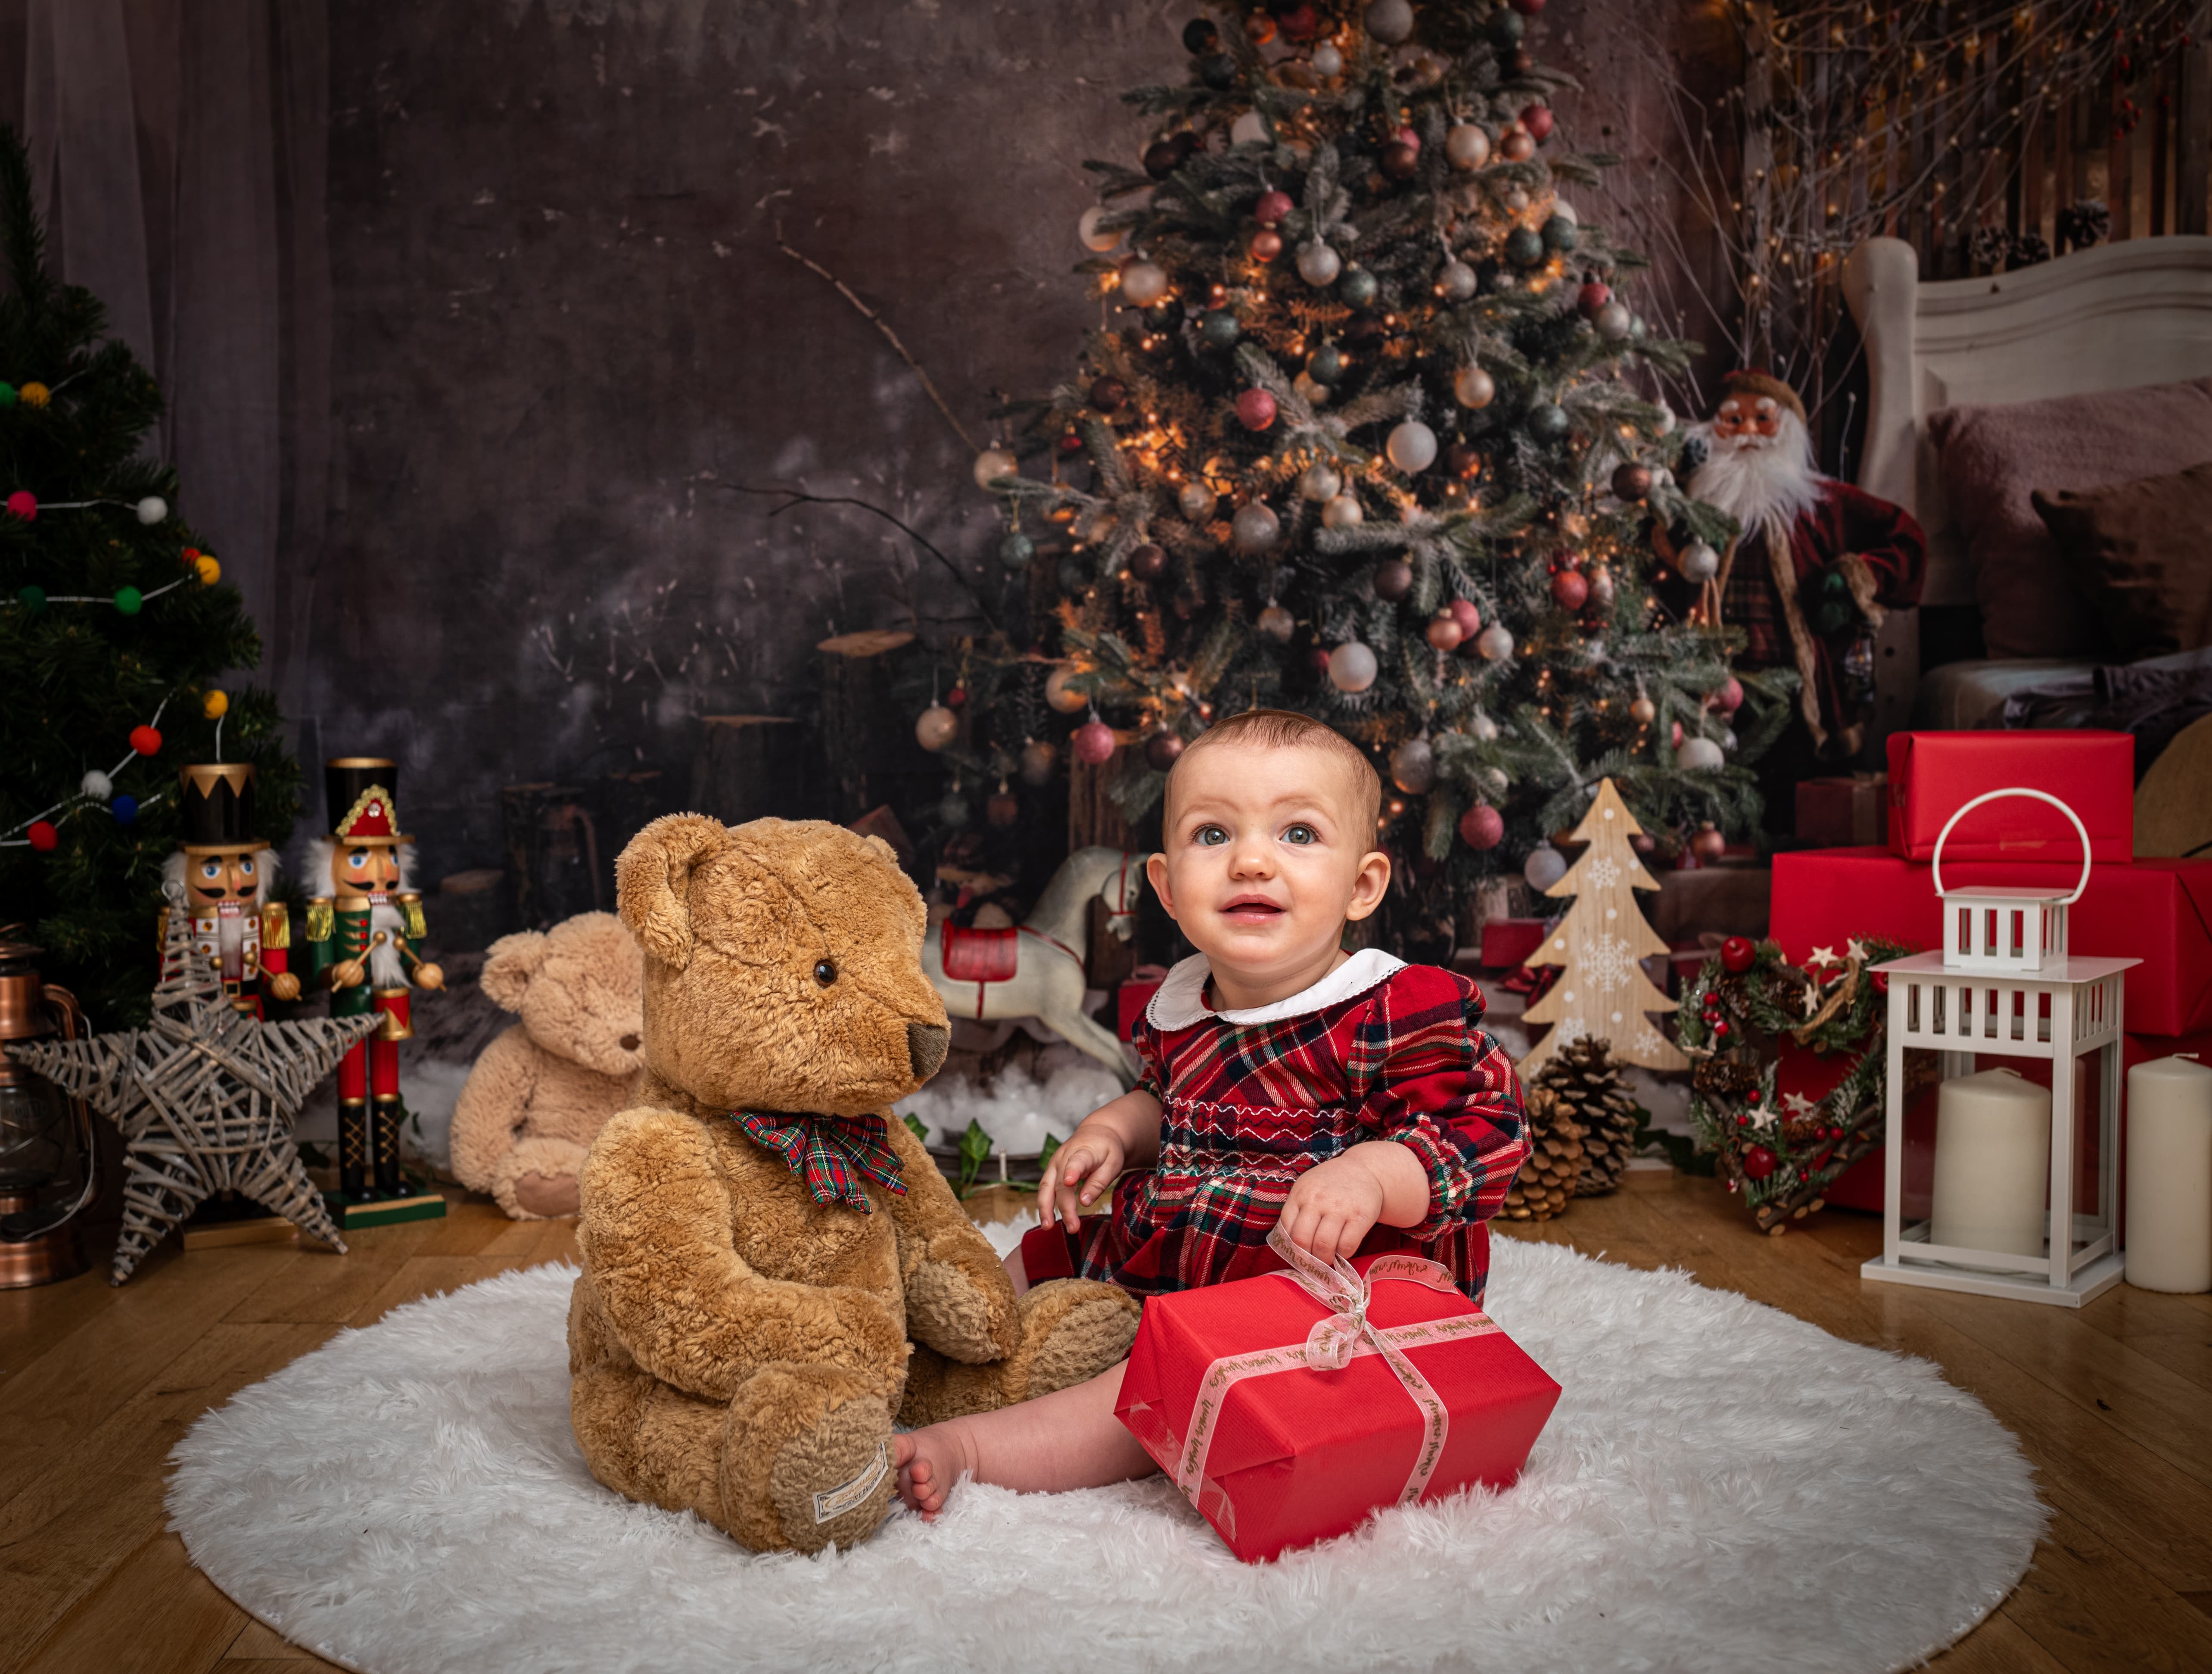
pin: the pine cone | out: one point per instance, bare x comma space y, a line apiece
1547, 1179
1583, 1077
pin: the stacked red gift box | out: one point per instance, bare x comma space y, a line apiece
2159, 911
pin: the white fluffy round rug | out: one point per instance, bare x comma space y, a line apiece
1720, 1487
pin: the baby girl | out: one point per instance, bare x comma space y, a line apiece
1352, 1097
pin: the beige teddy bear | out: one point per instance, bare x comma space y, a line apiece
761, 1237
539, 1094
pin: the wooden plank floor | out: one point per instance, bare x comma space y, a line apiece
2113, 1405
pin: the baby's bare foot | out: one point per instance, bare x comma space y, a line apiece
930, 1461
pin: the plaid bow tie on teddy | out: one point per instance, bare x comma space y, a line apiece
831, 1154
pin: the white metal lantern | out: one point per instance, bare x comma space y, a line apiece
2006, 987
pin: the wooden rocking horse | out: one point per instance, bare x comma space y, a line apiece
1034, 968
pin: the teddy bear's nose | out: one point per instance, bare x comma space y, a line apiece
926, 1044
629, 1043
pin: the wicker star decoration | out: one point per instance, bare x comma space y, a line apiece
206, 1097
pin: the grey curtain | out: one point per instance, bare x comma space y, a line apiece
178, 148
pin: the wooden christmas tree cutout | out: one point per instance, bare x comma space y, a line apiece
1602, 990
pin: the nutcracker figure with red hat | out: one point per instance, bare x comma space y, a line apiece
1817, 566
365, 943
225, 876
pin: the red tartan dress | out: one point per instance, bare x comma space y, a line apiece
1250, 1100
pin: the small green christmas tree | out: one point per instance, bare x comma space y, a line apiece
114, 628
1369, 431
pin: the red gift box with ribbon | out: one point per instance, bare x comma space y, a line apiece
1289, 1406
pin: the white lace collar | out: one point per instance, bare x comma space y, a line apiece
1180, 1000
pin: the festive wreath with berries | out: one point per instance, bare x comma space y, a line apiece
1782, 1153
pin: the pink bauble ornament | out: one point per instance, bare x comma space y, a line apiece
23, 503
1677, 739
1256, 409
1094, 743
1594, 296
1569, 590
1271, 208
1729, 698
1482, 827
1537, 120
1468, 617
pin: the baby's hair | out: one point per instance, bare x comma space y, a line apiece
1286, 729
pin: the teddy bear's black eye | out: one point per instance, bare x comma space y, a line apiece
826, 973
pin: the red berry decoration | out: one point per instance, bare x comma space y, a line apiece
23, 503
1482, 827
1737, 954
1271, 208
1720, 1029
1266, 244
1569, 591
1753, 1095
1470, 619
1094, 742
145, 741
1070, 444
1537, 120
1256, 409
1594, 296
1757, 1163
43, 836
956, 698
1109, 395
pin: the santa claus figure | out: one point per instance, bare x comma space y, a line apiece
1808, 580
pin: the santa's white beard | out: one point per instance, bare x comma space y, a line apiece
385, 969
1764, 482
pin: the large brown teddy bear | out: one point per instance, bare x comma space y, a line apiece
738, 1340
539, 1095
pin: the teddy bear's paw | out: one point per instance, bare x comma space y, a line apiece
548, 1196
806, 1458
1074, 1328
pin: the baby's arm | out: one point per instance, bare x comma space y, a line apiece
1124, 1134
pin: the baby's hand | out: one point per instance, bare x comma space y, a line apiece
1334, 1205
1078, 1173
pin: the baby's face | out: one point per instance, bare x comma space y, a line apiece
1266, 852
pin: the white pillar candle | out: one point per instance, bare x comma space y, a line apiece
1992, 1163
2170, 1175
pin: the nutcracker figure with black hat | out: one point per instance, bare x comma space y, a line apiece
1817, 566
364, 942
225, 875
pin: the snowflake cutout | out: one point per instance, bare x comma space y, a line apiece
1647, 1043
1602, 874
1606, 963
1572, 1028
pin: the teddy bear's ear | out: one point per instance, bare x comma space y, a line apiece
650, 880
508, 966
882, 849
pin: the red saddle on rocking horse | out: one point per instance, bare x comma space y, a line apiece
979, 956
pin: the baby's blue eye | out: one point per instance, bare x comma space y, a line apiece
1212, 837
1300, 834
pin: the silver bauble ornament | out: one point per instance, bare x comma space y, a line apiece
1327, 60
1038, 760
1696, 755
96, 785
1612, 321
936, 727
1411, 446
1196, 500
1665, 425
1086, 229
1545, 867
1352, 666
1255, 528
1144, 283
1318, 265
993, 463
1600, 587
152, 509
1456, 281
1496, 777
1700, 561
1728, 741
1249, 129
1484, 728
1474, 388
1517, 199
1495, 643
1278, 623
1320, 482
1390, 21
1565, 211
1467, 147
1413, 766
1341, 513
1061, 693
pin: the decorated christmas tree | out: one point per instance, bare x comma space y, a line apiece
1371, 430
114, 630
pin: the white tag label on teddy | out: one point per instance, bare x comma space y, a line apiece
836, 1502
